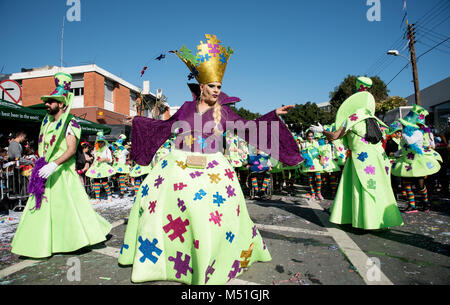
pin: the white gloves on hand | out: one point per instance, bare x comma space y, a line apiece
47, 170
315, 128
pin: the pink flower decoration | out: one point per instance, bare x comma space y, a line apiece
370, 170
353, 117
110, 171
92, 171
421, 116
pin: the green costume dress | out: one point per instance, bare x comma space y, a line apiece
65, 221
311, 153
364, 197
120, 167
413, 162
100, 169
330, 163
427, 148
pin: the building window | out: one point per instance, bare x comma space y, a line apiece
133, 97
78, 91
109, 87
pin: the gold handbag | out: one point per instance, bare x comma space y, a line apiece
196, 161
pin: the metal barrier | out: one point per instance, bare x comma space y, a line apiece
14, 184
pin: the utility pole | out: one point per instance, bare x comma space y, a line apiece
412, 52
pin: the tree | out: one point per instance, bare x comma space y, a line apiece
301, 117
246, 114
347, 88
390, 103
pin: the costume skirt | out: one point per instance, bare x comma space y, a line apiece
191, 225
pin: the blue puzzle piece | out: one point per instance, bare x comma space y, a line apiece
145, 190
147, 248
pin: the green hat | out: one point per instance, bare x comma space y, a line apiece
394, 127
101, 137
61, 93
360, 100
421, 112
120, 141
363, 84
410, 119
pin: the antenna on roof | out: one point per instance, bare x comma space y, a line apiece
62, 42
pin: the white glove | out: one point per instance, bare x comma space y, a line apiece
47, 170
318, 128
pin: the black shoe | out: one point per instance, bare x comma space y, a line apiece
121, 196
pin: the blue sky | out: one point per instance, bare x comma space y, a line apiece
286, 52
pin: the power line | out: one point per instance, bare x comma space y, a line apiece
432, 48
426, 44
434, 14
417, 58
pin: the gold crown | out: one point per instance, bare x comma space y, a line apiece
210, 62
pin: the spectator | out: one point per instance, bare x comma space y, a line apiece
15, 147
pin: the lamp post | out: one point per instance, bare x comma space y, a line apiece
412, 61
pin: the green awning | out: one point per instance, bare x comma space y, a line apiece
13, 111
87, 127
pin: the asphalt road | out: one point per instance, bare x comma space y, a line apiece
306, 249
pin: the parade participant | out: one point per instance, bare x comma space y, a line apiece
101, 170
242, 171
428, 137
330, 166
392, 146
259, 164
364, 197
120, 163
312, 166
58, 217
190, 222
412, 164
232, 150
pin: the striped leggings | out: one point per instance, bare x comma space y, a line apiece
98, 183
121, 181
264, 185
318, 183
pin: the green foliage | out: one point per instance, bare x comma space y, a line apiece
390, 103
347, 88
246, 114
301, 117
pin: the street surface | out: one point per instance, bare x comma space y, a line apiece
306, 249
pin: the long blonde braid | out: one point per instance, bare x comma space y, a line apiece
217, 116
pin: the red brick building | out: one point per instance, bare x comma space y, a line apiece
100, 96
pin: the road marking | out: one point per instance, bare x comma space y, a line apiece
17, 267
27, 263
351, 250
109, 251
291, 229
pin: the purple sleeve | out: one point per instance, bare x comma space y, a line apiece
147, 136
281, 146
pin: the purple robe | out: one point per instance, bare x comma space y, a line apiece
195, 132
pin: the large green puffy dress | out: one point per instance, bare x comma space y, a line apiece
119, 156
364, 197
312, 150
413, 162
66, 220
428, 149
100, 169
330, 164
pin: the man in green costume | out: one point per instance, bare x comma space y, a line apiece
58, 216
